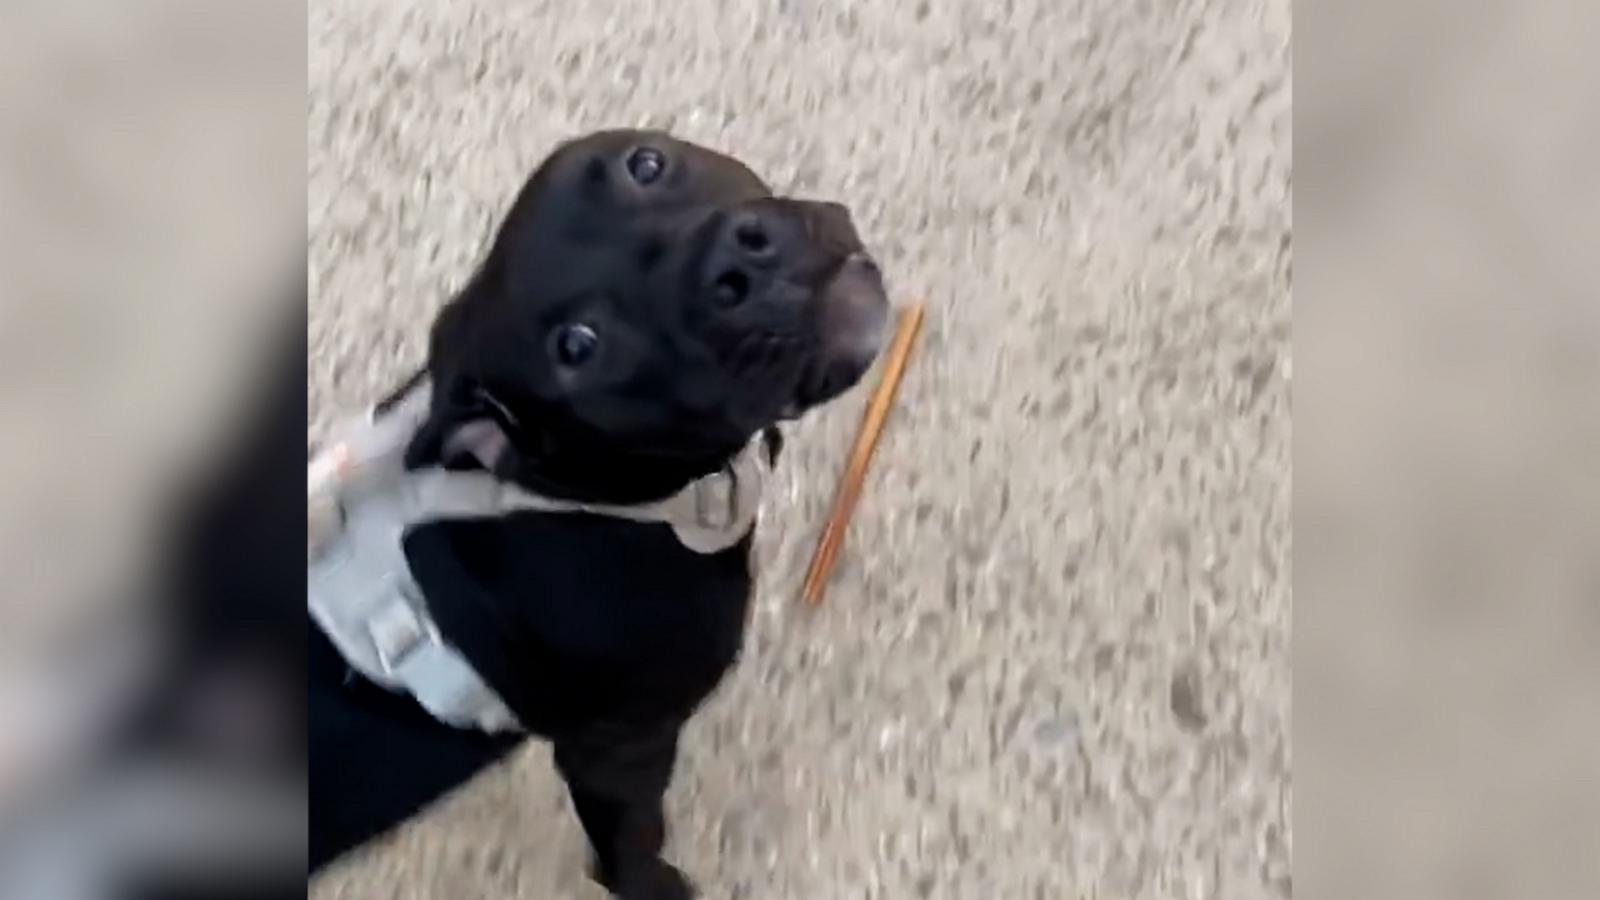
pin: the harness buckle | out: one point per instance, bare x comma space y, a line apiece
716, 500
397, 631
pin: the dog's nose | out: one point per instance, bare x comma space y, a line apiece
798, 241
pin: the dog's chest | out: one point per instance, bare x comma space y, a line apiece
550, 598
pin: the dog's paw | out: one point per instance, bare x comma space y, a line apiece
657, 881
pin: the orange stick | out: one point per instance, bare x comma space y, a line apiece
855, 473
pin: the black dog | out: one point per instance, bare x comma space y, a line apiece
646, 309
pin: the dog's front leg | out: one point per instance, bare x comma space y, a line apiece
617, 779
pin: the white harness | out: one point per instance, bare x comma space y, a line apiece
360, 502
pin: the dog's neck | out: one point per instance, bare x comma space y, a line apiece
561, 467
592, 475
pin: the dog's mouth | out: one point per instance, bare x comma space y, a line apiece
851, 323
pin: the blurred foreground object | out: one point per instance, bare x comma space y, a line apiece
152, 166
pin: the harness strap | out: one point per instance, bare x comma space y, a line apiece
359, 587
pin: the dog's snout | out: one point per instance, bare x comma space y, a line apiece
861, 265
765, 233
799, 242
752, 237
833, 223
855, 310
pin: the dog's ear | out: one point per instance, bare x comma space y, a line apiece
427, 445
480, 440
465, 425
400, 393
450, 347
457, 433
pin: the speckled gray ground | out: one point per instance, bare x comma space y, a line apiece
1055, 661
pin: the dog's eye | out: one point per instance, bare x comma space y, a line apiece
646, 164
576, 345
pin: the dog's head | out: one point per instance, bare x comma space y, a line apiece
646, 307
